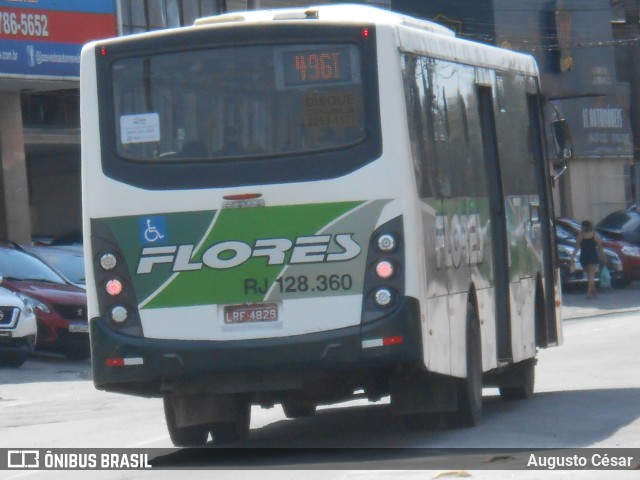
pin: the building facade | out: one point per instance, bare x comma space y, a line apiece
626, 35
39, 100
40, 43
586, 50
573, 42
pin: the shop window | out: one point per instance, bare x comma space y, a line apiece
618, 13
61, 110
145, 15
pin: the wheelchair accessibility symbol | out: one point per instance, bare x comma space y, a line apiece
153, 230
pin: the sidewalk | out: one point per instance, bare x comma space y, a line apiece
616, 300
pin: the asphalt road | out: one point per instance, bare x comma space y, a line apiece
587, 396
610, 301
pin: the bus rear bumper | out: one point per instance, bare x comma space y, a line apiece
154, 367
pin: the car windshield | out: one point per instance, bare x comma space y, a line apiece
70, 264
618, 219
17, 265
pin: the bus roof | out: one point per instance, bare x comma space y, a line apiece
329, 13
414, 35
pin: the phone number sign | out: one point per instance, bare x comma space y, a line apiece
44, 38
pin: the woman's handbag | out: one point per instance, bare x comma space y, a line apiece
605, 277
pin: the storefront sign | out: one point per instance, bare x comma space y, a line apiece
600, 126
43, 38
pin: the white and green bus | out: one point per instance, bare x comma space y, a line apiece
304, 206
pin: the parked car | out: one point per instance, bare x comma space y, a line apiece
571, 272
629, 253
18, 328
70, 238
60, 307
621, 225
39, 239
67, 259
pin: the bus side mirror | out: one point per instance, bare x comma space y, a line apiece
564, 146
562, 137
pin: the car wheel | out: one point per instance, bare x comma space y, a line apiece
13, 360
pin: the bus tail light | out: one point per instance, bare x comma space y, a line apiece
119, 314
108, 261
124, 361
117, 302
383, 342
384, 278
386, 243
384, 269
383, 297
113, 287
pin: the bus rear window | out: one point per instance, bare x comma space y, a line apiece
253, 101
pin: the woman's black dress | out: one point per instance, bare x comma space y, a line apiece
589, 252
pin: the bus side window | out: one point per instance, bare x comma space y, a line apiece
518, 176
472, 168
417, 97
443, 127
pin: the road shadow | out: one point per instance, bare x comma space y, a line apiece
362, 436
548, 420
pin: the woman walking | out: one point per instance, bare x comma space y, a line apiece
590, 246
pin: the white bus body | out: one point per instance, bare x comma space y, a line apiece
290, 206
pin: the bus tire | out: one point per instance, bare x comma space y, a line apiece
522, 387
469, 389
293, 409
234, 431
191, 436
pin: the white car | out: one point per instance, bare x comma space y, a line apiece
18, 328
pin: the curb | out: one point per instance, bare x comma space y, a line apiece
566, 316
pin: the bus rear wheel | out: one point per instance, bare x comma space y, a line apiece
521, 381
294, 409
191, 436
234, 431
469, 390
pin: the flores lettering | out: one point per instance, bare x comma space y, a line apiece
459, 241
232, 253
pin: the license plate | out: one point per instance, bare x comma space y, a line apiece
251, 313
78, 328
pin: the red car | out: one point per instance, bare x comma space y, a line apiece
60, 306
628, 252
